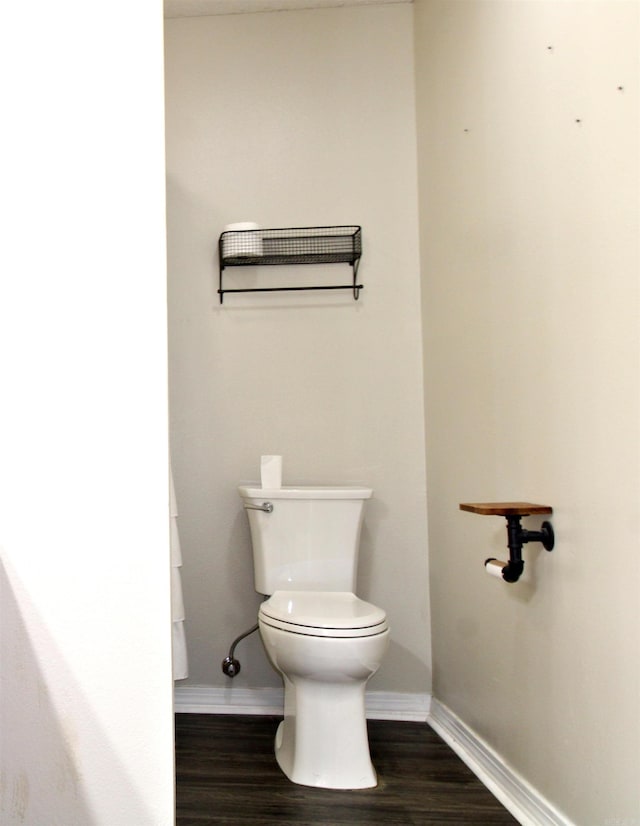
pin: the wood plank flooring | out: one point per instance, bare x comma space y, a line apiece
227, 774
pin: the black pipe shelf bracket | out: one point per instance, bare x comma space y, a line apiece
294, 245
517, 536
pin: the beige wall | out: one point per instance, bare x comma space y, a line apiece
529, 240
296, 119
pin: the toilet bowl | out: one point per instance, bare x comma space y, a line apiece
325, 642
326, 646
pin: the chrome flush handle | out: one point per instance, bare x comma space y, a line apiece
267, 507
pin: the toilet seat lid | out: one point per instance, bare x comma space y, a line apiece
323, 614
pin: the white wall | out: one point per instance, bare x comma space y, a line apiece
86, 690
530, 275
296, 119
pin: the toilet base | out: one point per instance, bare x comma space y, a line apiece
323, 740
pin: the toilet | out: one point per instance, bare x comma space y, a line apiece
325, 642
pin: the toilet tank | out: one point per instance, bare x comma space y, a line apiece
309, 541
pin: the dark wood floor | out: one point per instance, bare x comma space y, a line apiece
227, 774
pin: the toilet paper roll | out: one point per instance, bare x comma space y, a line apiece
494, 567
243, 242
271, 472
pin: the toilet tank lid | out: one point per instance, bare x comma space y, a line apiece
305, 492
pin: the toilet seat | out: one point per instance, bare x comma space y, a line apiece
333, 614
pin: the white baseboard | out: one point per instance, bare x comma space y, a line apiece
379, 705
205, 699
394, 705
516, 795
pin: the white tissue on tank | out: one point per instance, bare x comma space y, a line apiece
243, 242
271, 472
494, 567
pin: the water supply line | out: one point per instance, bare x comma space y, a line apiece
231, 666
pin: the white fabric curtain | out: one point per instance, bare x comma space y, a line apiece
179, 643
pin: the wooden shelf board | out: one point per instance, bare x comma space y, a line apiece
505, 508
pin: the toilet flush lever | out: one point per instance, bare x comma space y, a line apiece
267, 507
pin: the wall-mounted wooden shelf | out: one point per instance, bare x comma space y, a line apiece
505, 508
517, 536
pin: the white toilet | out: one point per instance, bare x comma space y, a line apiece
325, 641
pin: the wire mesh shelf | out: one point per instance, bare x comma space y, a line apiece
294, 245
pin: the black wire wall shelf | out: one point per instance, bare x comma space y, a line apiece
294, 245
